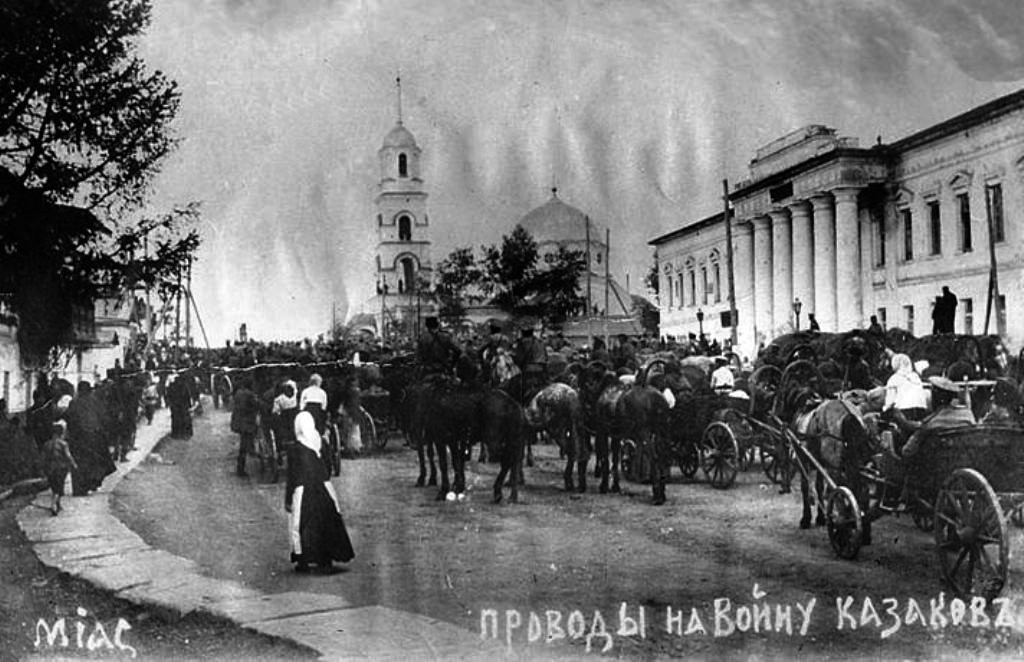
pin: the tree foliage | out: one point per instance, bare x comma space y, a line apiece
81, 117
83, 122
457, 278
557, 286
651, 279
510, 269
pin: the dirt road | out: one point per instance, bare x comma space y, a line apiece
555, 554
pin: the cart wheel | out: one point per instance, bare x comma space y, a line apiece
971, 535
368, 430
719, 455
689, 461
741, 430
266, 450
923, 518
335, 445
845, 528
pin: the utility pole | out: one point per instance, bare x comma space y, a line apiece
149, 308
607, 278
177, 318
729, 265
590, 310
993, 274
188, 308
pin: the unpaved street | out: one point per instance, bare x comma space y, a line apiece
561, 553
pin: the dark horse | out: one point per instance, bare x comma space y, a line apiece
600, 391
501, 428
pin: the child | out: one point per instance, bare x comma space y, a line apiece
57, 462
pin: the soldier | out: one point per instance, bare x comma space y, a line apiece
496, 346
532, 360
437, 352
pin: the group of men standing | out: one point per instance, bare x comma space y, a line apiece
944, 312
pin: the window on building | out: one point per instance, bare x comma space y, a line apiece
704, 283
670, 288
718, 283
882, 318
403, 166
598, 255
879, 224
409, 273
994, 207
968, 305
404, 229
1001, 312
908, 235
380, 219
679, 291
935, 220
7, 387
908, 318
964, 200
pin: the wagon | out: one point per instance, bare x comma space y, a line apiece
960, 484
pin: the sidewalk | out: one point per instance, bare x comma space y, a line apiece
89, 542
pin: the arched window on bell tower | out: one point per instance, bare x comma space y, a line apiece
409, 274
403, 166
404, 228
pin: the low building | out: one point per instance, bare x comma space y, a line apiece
825, 227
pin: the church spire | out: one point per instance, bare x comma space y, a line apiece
398, 90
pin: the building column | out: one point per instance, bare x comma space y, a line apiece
762, 279
848, 296
743, 275
824, 307
782, 267
803, 258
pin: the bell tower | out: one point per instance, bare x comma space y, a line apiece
404, 268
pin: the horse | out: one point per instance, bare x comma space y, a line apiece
557, 410
836, 434
501, 427
643, 414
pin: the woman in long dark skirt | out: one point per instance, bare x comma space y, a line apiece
317, 530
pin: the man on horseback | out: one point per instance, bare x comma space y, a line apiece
437, 353
532, 360
494, 354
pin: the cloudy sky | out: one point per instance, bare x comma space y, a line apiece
637, 110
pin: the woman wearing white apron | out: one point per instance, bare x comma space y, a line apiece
318, 534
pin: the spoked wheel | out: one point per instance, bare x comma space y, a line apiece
971, 536
845, 527
334, 446
719, 455
689, 460
744, 437
266, 450
368, 431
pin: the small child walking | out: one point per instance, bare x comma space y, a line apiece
57, 462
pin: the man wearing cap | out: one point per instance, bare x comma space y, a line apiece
496, 345
949, 412
437, 352
532, 360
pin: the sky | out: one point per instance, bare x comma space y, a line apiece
636, 110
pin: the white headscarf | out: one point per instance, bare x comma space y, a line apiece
306, 432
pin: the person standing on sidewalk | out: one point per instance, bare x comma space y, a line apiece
244, 421
57, 462
316, 529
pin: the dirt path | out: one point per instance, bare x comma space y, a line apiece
563, 552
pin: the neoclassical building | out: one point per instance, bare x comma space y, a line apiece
826, 227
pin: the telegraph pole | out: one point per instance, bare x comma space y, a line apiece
729, 266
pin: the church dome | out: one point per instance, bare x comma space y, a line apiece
558, 222
399, 137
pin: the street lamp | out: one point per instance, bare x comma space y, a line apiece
796, 311
700, 322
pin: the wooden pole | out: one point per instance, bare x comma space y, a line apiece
993, 274
729, 265
590, 310
188, 309
607, 278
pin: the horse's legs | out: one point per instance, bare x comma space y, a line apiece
819, 486
616, 443
529, 448
433, 467
601, 459
459, 466
579, 443
570, 459
805, 489
442, 460
657, 470
420, 455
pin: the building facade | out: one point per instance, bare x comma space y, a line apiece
823, 226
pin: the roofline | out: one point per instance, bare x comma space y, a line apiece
1000, 106
795, 169
704, 222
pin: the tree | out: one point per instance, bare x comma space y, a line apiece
558, 284
651, 279
81, 117
457, 274
647, 313
509, 271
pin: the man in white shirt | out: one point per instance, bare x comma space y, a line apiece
722, 379
314, 400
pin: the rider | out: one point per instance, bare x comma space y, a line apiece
438, 354
532, 359
905, 397
496, 344
949, 412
